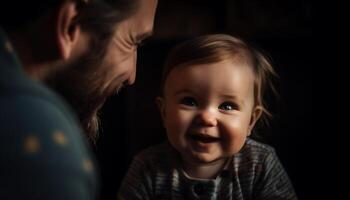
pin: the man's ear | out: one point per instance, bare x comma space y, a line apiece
256, 113
161, 106
67, 31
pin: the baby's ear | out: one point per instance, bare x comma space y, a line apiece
256, 113
161, 106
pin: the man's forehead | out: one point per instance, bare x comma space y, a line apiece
146, 13
140, 25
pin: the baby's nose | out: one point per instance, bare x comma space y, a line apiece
206, 118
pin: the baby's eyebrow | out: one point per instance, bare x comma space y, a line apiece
184, 91
230, 96
233, 97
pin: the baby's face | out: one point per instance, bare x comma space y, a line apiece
208, 110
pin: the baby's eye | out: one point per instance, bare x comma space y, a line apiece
188, 101
228, 106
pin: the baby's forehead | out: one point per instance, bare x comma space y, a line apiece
227, 71
224, 64
234, 62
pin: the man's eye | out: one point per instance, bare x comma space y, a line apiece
228, 106
140, 43
188, 101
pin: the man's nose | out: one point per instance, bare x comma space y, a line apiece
206, 118
132, 77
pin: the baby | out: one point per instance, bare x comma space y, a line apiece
211, 99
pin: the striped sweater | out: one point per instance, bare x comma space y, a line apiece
253, 173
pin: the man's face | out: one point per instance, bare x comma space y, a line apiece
91, 79
119, 65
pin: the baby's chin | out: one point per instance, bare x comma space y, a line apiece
204, 158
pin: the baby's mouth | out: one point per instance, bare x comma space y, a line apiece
203, 138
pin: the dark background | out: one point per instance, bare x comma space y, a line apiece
131, 122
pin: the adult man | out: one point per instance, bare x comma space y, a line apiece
42, 151
86, 87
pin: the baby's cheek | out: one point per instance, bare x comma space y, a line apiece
176, 127
232, 147
234, 137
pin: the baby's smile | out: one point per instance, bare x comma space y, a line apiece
204, 138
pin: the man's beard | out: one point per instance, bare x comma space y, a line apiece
81, 85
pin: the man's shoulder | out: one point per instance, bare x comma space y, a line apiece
38, 134
26, 116
40, 146
36, 111
30, 110
29, 102
15, 83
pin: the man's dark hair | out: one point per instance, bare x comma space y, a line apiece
96, 16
